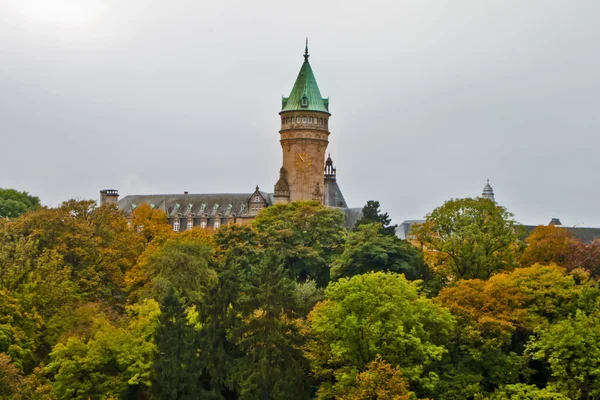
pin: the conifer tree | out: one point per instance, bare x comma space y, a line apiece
371, 214
272, 365
176, 365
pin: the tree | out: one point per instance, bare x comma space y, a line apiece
113, 360
220, 309
379, 381
371, 214
371, 314
307, 235
272, 365
468, 238
520, 391
571, 348
19, 332
550, 245
74, 248
14, 203
176, 365
496, 317
11, 379
186, 266
367, 249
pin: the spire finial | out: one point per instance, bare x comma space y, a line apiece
488, 180
306, 51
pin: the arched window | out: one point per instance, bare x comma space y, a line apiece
297, 120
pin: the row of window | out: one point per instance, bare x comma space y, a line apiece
190, 225
304, 120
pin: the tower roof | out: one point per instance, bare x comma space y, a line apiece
488, 192
305, 95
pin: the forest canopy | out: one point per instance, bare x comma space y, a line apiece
95, 304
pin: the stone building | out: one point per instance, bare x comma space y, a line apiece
304, 175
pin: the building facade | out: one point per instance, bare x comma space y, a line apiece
304, 174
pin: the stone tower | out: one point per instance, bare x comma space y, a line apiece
304, 137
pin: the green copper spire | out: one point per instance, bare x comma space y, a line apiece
305, 95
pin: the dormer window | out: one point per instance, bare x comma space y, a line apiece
304, 101
176, 226
217, 224
203, 224
190, 225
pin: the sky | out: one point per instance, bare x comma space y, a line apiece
428, 99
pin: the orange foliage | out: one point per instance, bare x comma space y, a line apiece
550, 244
518, 300
380, 381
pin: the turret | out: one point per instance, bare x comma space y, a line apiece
488, 192
109, 196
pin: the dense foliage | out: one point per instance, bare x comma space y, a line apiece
94, 305
14, 203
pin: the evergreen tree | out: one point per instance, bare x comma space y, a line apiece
272, 365
371, 214
176, 365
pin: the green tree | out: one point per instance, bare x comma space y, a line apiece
220, 309
571, 348
176, 366
307, 235
371, 214
19, 332
14, 203
468, 238
112, 361
367, 249
272, 365
371, 314
186, 266
520, 391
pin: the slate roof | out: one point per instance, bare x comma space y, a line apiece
305, 87
212, 204
332, 196
352, 216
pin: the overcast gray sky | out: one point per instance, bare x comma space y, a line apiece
428, 98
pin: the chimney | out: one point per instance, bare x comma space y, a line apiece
109, 196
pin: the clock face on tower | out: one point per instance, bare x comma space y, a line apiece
303, 161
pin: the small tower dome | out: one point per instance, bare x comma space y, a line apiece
488, 192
